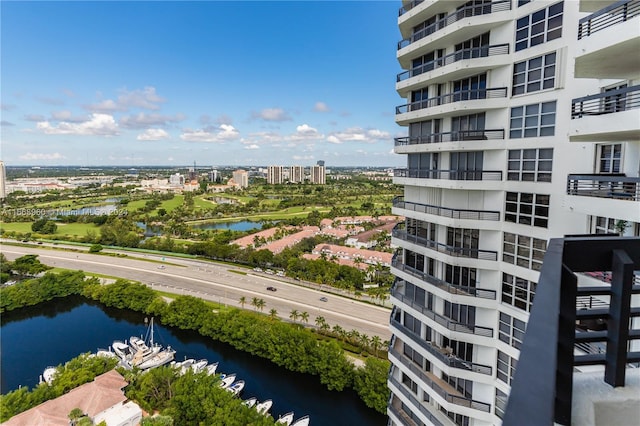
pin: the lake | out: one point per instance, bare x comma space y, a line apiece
54, 332
243, 225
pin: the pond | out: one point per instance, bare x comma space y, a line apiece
243, 225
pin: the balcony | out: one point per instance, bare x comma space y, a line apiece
542, 392
444, 248
604, 186
400, 203
477, 100
458, 15
459, 136
414, 401
444, 321
398, 414
608, 42
407, 7
448, 174
443, 285
441, 388
592, 120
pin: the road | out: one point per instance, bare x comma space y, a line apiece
218, 282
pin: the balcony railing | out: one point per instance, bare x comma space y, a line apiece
449, 174
604, 186
542, 389
465, 12
399, 202
411, 397
404, 418
444, 321
466, 95
447, 396
443, 285
465, 135
460, 55
614, 14
447, 359
444, 248
408, 7
608, 102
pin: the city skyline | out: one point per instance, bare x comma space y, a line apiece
161, 83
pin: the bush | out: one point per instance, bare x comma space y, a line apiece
95, 248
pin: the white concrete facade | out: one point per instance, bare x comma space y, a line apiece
275, 175
493, 142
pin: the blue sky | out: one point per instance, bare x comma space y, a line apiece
219, 83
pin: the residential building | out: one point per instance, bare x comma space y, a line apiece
275, 175
3, 179
241, 178
296, 174
212, 175
318, 175
176, 179
490, 96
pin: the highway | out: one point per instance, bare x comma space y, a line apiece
218, 282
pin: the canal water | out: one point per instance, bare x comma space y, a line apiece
54, 332
243, 225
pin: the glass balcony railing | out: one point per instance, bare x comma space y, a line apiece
449, 174
614, 14
458, 136
461, 96
464, 12
460, 55
414, 401
400, 203
407, 7
444, 248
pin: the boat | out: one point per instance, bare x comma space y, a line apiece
106, 353
302, 421
49, 374
286, 419
250, 402
226, 380
161, 358
264, 406
199, 366
211, 368
237, 387
184, 366
121, 349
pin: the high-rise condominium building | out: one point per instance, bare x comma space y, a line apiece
318, 175
296, 174
3, 179
275, 175
241, 178
504, 150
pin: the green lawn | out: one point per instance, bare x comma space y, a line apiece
75, 229
22, 227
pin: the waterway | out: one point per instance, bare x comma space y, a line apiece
54, 332
244, 225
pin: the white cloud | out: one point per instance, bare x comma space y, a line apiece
106, 106
303, 157
272, 114
357, 134
305, 132
30, 156
146, 98
65, 115
34, 117
142, 120
98, 124
153, 135
321, 107
223, 133
252, 146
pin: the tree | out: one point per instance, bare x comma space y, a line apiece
320, 321
75, 415
376, 344
273, 313
294, 314
255, 303
242, 301
29, 265
304, 316
95, 248
260, 304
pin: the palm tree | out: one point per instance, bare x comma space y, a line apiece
254, 303
365, 341
305, 317
261, 304
320, 321
376, 342
338, 330
273, 314
294, 315
242, 301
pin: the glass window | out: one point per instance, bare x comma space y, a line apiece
534, 74
532, 121
539, 27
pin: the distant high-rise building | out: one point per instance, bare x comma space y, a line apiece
3, 179
275, 175
193, 175
296, 174
212, 175
320, 163
241, 178
176, 179
318, 175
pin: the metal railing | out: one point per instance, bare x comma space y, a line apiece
465, 95
444, 321
608, 102
408, 7
450, 360
614, 14
443, 285
399, 202
604, 186
444, 248
542, 388
449, 174
449, 397
460, 55
459, 136
464, 12
403, 417
411, 397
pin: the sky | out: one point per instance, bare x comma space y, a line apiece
218, 83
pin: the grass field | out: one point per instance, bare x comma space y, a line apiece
75, 229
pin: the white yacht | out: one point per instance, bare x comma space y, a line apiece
49, 374
199, 366
302, 421
264, 407
211, 368
158, 359
237, 387
250, 402
226, 380
121, 349
286, 419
